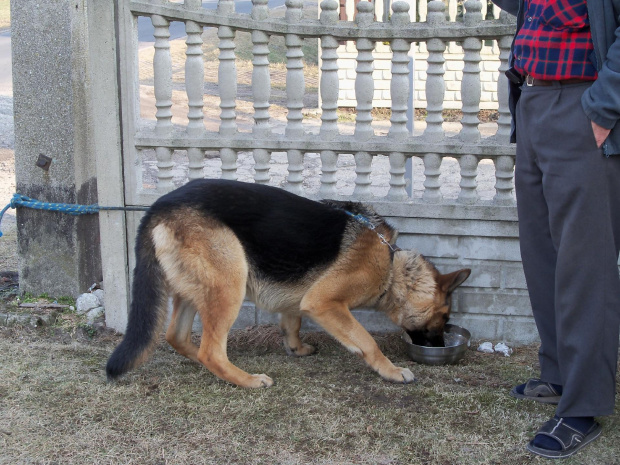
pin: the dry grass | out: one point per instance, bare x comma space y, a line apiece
56, 407
8, 244
5, 14
8, 241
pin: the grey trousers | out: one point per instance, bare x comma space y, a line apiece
568, 201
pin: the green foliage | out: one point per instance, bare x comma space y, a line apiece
89, 330
29, 298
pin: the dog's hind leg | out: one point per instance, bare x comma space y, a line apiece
219, 312
207, 276
221, 270
290, 325
179, 331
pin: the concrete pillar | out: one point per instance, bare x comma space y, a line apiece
58, 253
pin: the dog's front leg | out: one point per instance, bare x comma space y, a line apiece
338, 321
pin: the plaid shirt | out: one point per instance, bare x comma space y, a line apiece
555, 41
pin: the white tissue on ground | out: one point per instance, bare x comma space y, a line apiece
486, 347
503, 349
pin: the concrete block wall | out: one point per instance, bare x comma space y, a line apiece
489, 72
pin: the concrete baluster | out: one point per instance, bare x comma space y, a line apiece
329, 73
432, 171
363, 168
329, 161
162, 86
329, 99
227, 82
261, 90
295, 89
504, 180
399, 92
470, 85
435, 85
194, 86
505, 119
227, 73
399, 89
364, 82
468, 185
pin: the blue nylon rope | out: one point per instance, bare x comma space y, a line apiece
19, 200
362, 219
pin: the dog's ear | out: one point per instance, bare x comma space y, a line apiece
449, 282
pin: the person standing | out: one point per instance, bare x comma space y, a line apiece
564, 82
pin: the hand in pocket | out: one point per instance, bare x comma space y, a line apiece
600, 133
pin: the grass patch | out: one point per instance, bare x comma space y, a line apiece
326, 409
45, 299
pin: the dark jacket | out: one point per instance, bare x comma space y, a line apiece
601, 101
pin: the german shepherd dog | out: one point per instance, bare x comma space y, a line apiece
212, 243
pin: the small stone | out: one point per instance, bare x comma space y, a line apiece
46, 319
18, 319
86, 302
100, 295
93, 314
486, 347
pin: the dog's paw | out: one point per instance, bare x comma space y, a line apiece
407, 376
305, 349
259, 381
400, 375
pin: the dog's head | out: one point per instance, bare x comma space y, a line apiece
419, 299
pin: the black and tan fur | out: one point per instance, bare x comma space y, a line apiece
212, 243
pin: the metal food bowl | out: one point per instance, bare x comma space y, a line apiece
456, 339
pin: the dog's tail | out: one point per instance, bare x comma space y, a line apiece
147, 311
